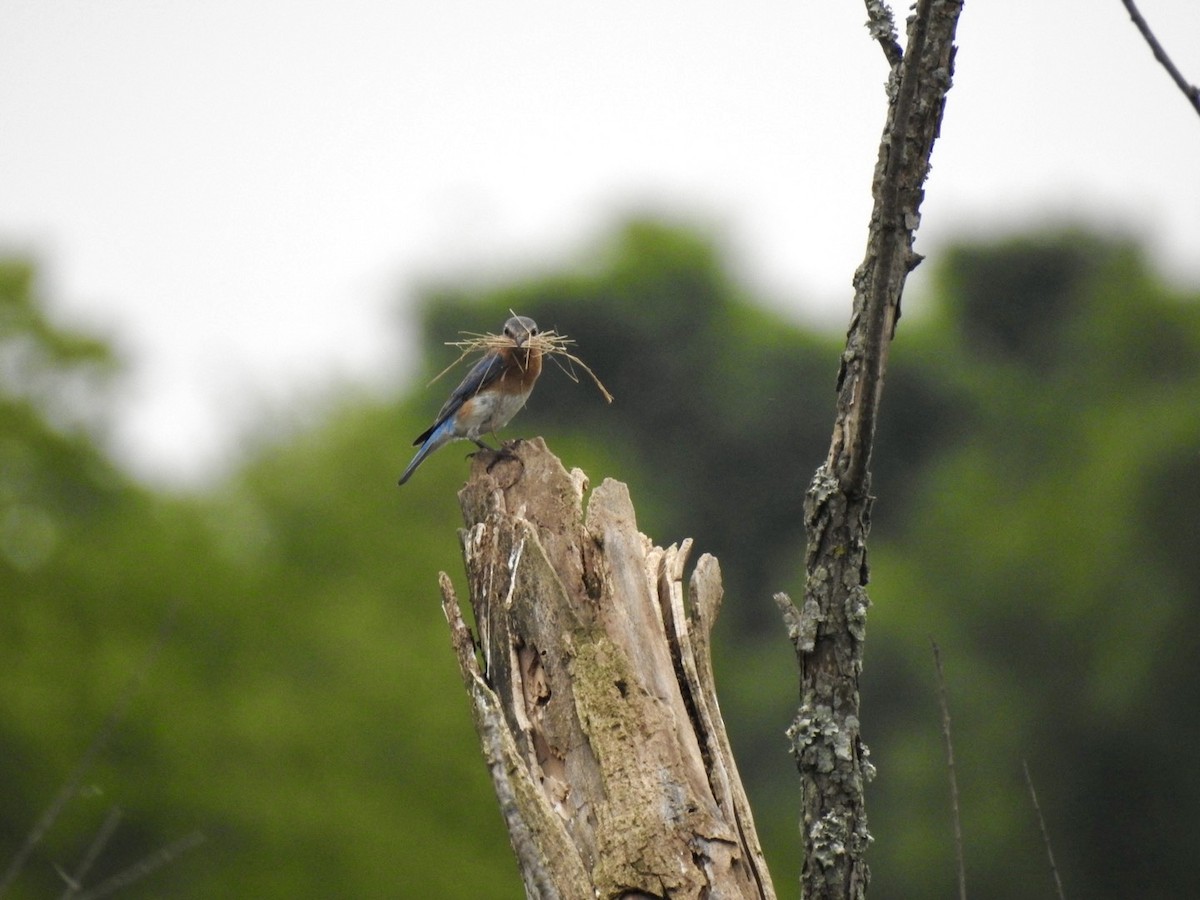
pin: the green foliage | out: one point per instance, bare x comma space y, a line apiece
1037, 476
1044, 547
306, 713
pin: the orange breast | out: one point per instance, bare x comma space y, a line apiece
526, 371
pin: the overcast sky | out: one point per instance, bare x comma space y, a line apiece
247, 193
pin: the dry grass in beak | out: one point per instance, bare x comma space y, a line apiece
551, 345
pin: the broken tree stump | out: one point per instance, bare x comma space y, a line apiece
592, 691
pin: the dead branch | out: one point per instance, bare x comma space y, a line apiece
828, 630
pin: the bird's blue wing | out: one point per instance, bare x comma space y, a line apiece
484, 372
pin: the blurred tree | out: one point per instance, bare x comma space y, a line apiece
1032, 357
51, 384
1042, 545
1038, 494
58, 493
296, 716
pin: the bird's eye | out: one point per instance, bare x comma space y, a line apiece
533, 331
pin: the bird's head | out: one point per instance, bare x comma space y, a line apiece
520, 329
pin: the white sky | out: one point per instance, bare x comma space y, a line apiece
245, 192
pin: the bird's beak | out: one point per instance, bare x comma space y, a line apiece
520, 339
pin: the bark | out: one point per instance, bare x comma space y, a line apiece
829, 628
592, 691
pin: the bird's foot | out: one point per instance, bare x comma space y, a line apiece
505, 452
483, 448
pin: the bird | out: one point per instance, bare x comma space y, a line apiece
489, 396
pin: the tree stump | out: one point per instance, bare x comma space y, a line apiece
592, 691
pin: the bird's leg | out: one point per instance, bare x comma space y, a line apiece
482, 445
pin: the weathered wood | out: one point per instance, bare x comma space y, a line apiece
592, 691
829, 629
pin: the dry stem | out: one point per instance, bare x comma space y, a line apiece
550, 343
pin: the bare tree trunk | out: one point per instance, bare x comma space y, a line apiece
829, 628
592, 692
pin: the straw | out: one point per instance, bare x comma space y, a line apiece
550, 343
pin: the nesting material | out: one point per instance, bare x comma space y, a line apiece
551, 344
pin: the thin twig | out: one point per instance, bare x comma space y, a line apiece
145, 866
99, 742
954, 808
1189, 90
882, 27
1058, 888
75, 881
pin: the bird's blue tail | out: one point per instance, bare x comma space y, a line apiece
438, 436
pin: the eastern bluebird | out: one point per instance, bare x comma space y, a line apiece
492, 393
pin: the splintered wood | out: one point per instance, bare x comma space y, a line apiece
592, 691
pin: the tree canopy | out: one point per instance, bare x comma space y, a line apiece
1037, 481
